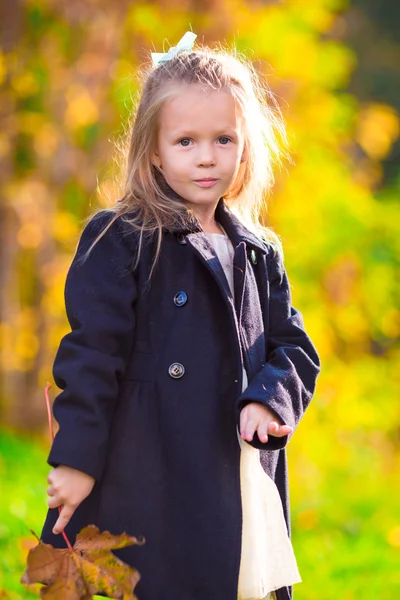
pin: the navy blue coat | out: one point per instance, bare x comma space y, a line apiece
152, 393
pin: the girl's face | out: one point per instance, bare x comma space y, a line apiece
199, 145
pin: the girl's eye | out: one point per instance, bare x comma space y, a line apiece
224, 140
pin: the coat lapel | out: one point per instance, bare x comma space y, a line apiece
239, 277
251, 305
242, 240
244, 306
240, 237
207, 255
235, 228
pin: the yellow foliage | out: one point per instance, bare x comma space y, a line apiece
378, 129
81, 109
121, 69
313, 13
55, 335
3, 68
29, 198
44, 376
352, 324
321, 331
92, 63
390, 323
5, 145
65, 227
25, 84
46, 140
7, 353
30, 235
52, 304
26, 344
30, 122
19, 341
307, 519
146, 18
393, 536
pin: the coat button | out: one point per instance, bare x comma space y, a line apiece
181, 238
176, 370
180, 299
253, 257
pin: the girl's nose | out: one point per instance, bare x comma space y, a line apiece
206, 156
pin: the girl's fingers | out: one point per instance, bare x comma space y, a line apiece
247, 428
273, 427
262, 433
242, 423
64, 518
285, 430
53, 502
50, 491
252, 421
248, 431
279, 430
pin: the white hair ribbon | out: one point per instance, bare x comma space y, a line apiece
186, 43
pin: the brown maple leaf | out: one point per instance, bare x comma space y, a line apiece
88, 568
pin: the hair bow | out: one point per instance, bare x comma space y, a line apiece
186, 43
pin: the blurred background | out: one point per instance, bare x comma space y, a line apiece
68, 81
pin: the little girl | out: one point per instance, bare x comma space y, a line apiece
187, 369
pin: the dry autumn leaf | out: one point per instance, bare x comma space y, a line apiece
88, 568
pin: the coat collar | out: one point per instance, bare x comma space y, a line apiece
235, 229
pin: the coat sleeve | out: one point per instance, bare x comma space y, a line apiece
99, 296
286, 383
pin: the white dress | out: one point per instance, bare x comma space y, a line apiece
267, 558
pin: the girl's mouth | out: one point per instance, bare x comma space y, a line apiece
206, 182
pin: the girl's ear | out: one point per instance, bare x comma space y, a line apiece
155, 159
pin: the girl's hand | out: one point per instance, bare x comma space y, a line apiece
68, 487
257, 417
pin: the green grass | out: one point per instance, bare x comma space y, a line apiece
23, 472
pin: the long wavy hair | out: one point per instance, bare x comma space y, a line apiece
146, 202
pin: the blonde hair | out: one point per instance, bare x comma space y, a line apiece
145, 193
